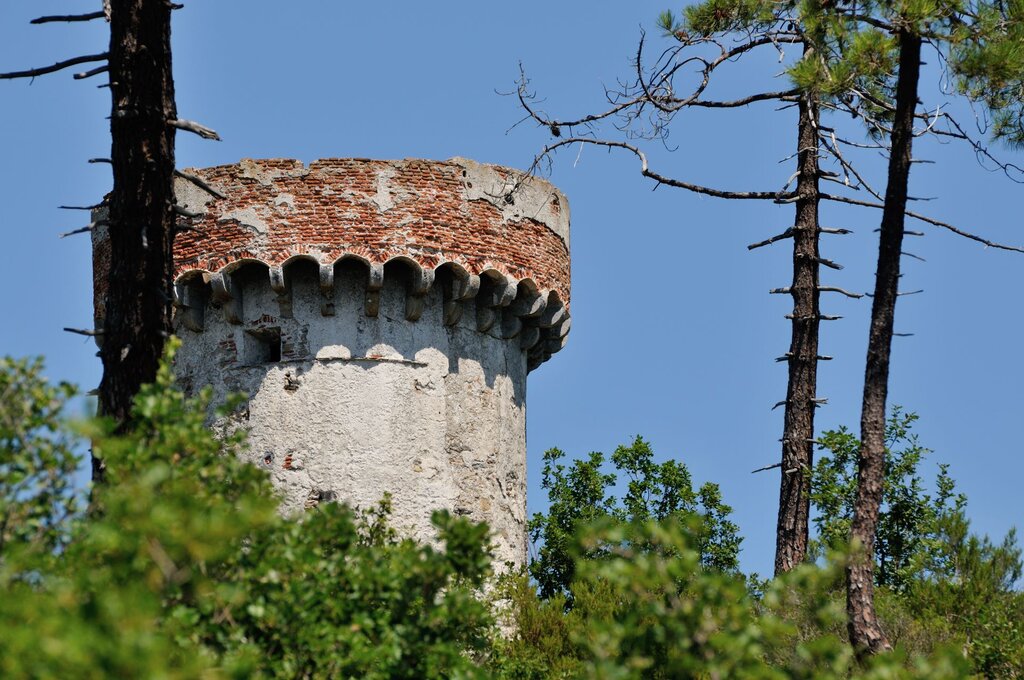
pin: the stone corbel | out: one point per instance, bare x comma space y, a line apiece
227, 295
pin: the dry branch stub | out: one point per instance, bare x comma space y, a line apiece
383, 317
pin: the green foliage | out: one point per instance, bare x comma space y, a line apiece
909, 520
581, 495
660, 610
969, 582
937, 579
37, 460
990, 66
184, 569
849, 53
174, 504
648, 609
336, 595
718, 17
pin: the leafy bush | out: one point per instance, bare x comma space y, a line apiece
37, 460
653, 611
909, 519
184, 568
580, 495
938, 581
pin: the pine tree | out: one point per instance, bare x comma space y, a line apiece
860, 60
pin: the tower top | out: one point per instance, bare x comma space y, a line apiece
474, 217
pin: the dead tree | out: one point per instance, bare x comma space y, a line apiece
644, 108
656, 89
137, 314
141, 205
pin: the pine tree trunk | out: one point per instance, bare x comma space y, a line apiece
137, 315
866, 634
798, 431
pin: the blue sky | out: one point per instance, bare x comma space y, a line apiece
674, 332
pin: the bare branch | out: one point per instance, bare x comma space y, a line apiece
766, 467
785, 95
68, 18
823, 317
823, 289
81, 207
196, 128
84, 230
789, 356
92, 72
554, 124
778, 237
199, 183
909, 292
185, 212
833, 289
830, 264
670, 104
661, 179
833, 147
82, 331
32, 73
928, 220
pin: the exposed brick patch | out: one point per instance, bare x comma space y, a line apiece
429, 211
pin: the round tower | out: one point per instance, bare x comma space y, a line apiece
382, 316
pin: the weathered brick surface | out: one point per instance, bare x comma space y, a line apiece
431, 211
426, 210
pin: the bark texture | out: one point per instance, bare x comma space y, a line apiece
866, 634
798, 431
137, 315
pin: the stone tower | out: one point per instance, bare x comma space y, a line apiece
382, 316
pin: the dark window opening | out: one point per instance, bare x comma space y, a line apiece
263, 346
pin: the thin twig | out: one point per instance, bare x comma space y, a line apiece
778, 237
92, 72
185, 212
661, 179
199, 183
81, 207
32, 73
87, 228
196, 128
82, 331
68, 18
926, 219
833, 289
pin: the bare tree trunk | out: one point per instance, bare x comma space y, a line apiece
798, 431
137, 317
866, 634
